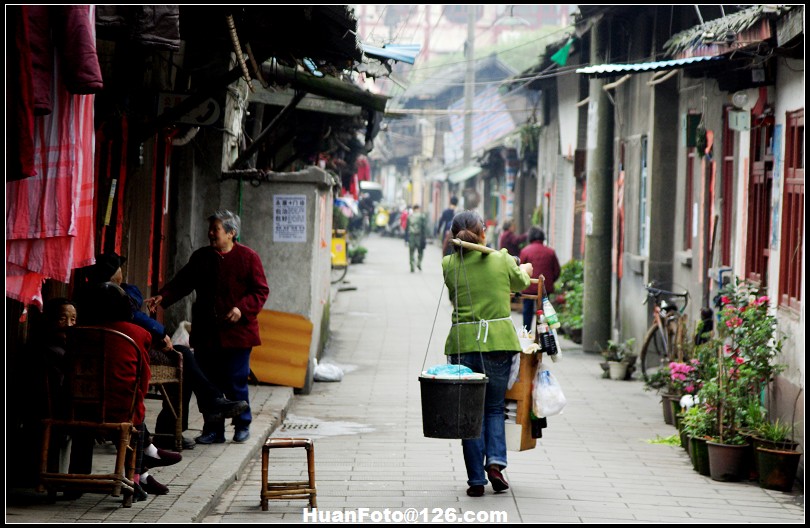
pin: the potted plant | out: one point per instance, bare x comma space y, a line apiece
572, 276
620, 360
357, 254
698, 425
745, 366
776, 456
659, 381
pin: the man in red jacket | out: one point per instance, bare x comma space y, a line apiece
544, 262
231, 288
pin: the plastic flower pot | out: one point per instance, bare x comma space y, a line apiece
777, 468
727, 463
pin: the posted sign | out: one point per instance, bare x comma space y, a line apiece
289, 218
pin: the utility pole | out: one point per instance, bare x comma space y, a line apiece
599, 205
469, 84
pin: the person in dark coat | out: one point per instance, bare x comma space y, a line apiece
446, 220
544, 262
510, 240
231, 289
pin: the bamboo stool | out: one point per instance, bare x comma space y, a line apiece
288, 490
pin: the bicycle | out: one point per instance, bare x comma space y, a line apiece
340, 262
665, 335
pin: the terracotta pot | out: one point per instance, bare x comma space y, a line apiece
777, 468
727, 463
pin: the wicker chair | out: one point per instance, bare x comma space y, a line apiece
167, 371
84, 412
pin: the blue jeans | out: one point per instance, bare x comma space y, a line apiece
490, 447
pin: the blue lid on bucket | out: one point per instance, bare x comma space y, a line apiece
447, 371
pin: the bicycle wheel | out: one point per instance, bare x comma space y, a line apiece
338, 273
653, 352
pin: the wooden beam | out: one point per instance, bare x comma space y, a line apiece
329, 87
254, 147
312, 103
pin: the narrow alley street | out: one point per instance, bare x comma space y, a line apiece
594, 463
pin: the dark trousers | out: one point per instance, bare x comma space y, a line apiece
228, 369
529, 309
194, 381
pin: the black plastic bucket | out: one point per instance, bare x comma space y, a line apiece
452, 408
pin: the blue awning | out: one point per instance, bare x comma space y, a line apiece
604, 70
463, 174
398, 52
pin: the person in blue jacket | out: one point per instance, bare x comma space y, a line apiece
210, 399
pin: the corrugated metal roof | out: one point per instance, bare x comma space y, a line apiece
601, 69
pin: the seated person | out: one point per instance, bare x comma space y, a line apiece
210, 399
45, 360
107, 305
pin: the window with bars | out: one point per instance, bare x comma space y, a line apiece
759, 199
790, 261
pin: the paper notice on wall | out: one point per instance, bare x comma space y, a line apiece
289, 218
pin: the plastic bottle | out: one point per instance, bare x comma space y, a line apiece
550, 313
556, 356
542, 325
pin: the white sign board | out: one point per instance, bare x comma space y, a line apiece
289, 218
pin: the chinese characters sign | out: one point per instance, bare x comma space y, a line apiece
289, 218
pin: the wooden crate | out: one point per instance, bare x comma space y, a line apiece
521, 392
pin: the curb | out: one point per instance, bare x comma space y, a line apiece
228, 463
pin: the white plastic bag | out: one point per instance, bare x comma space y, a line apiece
547, 396
325, 371
181, 335
514, 373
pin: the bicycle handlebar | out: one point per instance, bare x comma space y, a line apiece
656, 292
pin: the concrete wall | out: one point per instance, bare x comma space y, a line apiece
297, 272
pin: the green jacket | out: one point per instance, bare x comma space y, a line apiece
417, 229
491, 278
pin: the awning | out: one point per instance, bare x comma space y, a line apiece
398, 52
463, 174
606, 70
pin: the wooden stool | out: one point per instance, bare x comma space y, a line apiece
288, 490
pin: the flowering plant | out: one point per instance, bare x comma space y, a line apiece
746, 352
751, 344
684, 377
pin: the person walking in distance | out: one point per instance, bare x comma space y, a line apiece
544, 262
231, 289
417, 232
483, 338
